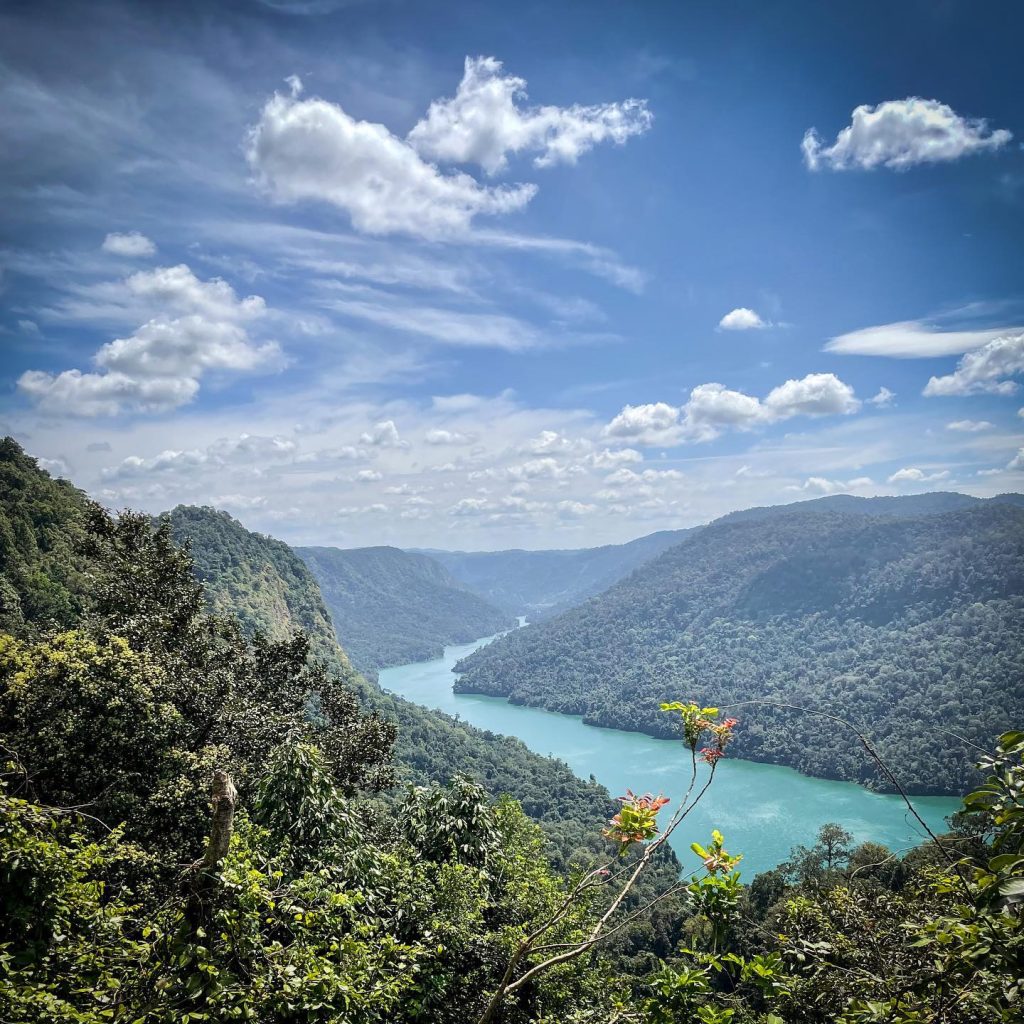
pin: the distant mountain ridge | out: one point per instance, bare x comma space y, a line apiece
539, 584
391, 607
908, 625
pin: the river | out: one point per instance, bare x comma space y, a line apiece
763, 810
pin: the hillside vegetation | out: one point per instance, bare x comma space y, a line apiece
256, 578
198, 824
392, 607
539, 584
907, 626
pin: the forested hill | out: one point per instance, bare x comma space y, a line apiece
254, 577
430, 746
539, 584
48, 576
41, 522
908, 626
391, 607
932, 503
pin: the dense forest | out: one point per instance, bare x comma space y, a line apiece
909, 625
199, 823
539, 584
256, 578
391, 607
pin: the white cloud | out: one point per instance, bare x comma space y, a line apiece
910, 339
883, 398
244, 450
1017, 462
983, 371
483, 123
439, 436
574, 509
609, 458
383, 435
911, 474
158, 367
131, 243
713, 408
647, 424
742, 319
177, 290
552, 442
817, 394
73, 393
185, 348
969, 426
311, 149
900, 134
368, 476
55, 467
822, 485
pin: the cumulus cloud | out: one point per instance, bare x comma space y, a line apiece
883, 398
983, 371
132, 243
311, 149
911, 339
1017, 462
158, 367
969, 426
742, 319
244, 450
713, 408
484, 123
383, 435
651, 424
74, 393
368, 476
822, 485
439, 436
900, 134
911, 474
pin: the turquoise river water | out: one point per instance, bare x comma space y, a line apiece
762, 809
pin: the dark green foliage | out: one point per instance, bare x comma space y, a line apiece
908, 627
539, 584
40, 521
391, 607
255, 578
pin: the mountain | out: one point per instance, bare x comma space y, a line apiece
41, 522
254, 577
931, 503
276, 592
539, 584
391, 607
909, 626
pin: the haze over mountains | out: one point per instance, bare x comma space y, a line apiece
392, 607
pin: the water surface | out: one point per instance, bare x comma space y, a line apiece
763, 810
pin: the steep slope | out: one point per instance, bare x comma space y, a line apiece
910, 627
236, 564
46, 575
539, 584
260, 580
391, 607
40, 526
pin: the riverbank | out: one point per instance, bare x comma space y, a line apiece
763, 809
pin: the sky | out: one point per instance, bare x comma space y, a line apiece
486, 275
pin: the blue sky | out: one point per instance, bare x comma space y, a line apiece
484, 275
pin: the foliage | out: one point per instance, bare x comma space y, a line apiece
906, 626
